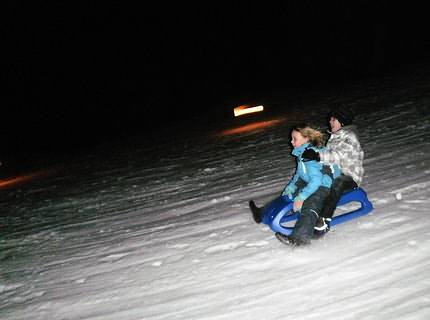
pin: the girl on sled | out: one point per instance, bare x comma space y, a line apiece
308, 188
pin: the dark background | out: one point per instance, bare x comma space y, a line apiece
79, 73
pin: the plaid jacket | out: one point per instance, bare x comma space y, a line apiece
344, 149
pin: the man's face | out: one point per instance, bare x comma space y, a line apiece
335, 124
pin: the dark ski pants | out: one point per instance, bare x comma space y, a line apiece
304, 229
340, 185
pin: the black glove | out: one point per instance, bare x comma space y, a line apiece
310, 154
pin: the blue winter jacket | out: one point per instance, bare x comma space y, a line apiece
311, 172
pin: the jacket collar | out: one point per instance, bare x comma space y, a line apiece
299, 150
345, 129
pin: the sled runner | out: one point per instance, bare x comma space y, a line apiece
280, 211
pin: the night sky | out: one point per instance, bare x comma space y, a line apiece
77, 72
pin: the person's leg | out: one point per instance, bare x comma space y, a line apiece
340, 185
257, 212
304, 228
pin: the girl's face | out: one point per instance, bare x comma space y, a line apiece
297, 139
335, 124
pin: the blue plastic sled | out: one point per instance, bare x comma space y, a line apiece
279, 212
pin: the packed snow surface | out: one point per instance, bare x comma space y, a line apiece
164, 232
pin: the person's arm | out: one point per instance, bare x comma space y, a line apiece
336, 152
315, 181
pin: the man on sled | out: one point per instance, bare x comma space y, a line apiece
343, 149
322, 191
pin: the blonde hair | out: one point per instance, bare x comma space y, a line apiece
315, 137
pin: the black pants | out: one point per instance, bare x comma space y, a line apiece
340, 185
311, 209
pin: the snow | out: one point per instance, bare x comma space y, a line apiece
131, 232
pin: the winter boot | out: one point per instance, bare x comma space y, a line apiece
256, 211
289, 240
322, 227
323, 224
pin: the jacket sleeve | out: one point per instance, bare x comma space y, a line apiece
331, 156
315, 180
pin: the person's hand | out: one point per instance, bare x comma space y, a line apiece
297, 205
310, 154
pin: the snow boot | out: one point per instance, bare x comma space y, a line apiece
256, 212
289, 240
323, 224
322, 227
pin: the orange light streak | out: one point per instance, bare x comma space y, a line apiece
251, 127
20, 179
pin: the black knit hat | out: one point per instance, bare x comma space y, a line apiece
343, 114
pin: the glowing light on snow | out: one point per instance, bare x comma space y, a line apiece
15, 180
4, 183
241, 110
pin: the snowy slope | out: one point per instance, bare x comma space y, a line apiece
165, 233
